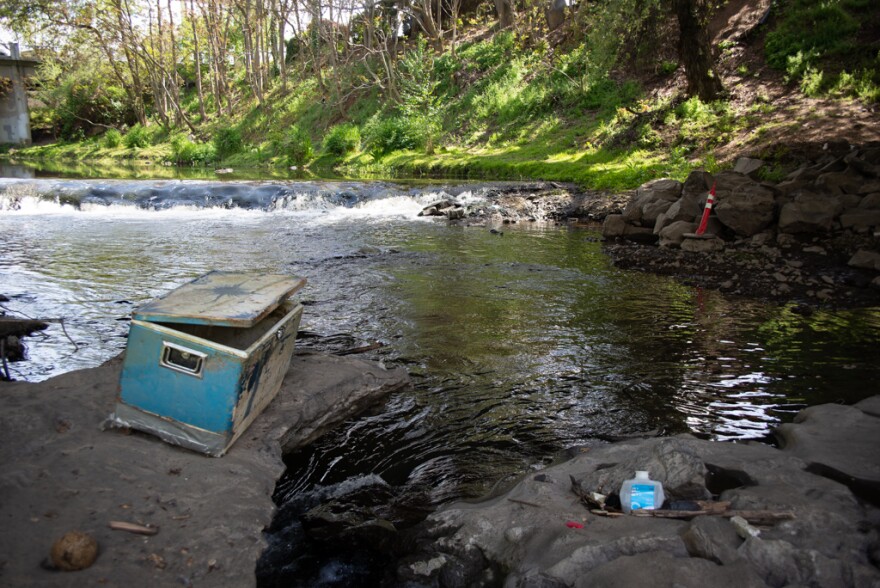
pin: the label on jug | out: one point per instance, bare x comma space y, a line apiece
642, 497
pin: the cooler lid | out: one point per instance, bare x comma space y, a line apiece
226, 299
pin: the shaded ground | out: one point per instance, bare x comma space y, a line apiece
61, 472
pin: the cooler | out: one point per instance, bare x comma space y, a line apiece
205, 359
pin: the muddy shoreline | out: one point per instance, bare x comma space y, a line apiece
62, 472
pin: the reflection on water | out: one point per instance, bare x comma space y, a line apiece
519, 346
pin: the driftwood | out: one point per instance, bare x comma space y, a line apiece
757, 517
133, 528
19, 327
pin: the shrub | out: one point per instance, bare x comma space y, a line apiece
184, 151
112, 139
228, 141
383, 135
137, 137
296, 146
342, 139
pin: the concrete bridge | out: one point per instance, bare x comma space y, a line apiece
15, 122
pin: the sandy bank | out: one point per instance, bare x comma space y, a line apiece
61, 472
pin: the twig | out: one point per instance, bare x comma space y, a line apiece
133, 528
752, 516
75, 346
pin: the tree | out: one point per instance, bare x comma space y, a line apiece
694, 49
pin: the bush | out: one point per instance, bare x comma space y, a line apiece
184, 151
383, 135
228, 142
112, 139
296, 146
137, 137
342, 139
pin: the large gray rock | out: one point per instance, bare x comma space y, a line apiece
664, 570
846, 182
662, 189
744, 206
670, 461
860, 220
702, 245
870, 201
822, 436
672, 235
831, 541
809, 213
614, 226
712, 538
650, 200
865, 259
748, 166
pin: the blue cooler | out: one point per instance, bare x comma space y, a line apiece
205, 359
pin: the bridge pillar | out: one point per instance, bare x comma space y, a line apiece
15, 122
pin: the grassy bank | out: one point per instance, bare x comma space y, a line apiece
503, 106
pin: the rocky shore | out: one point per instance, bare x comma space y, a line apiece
740, 514
810, 236
160, 515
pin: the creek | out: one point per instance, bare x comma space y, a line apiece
521, 345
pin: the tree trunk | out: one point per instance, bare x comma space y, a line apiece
197, 60
504, 8
695, 50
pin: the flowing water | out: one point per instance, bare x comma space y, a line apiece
519, 345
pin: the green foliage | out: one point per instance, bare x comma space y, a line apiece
184, 151
112, 139
137, 137
818, 46
701, 123
228, 141
342, 139
295, 146
488, 54
384, 134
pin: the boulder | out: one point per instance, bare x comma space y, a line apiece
702, 245
664, 570
639, 234
860, 219
524, 534
846, 182
662, 189
858, 163
712, 538
748, 166
809, 213
744, 206
871, 201
652, 210
670, 462
821, 436
614, 226
685, 208
865, 259
650, 200
673, 234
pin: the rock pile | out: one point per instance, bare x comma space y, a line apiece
540, 533
828, 205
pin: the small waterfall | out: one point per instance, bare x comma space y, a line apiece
377, 198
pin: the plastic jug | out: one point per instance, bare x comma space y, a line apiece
641, 493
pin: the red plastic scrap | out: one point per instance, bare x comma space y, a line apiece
574, 525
